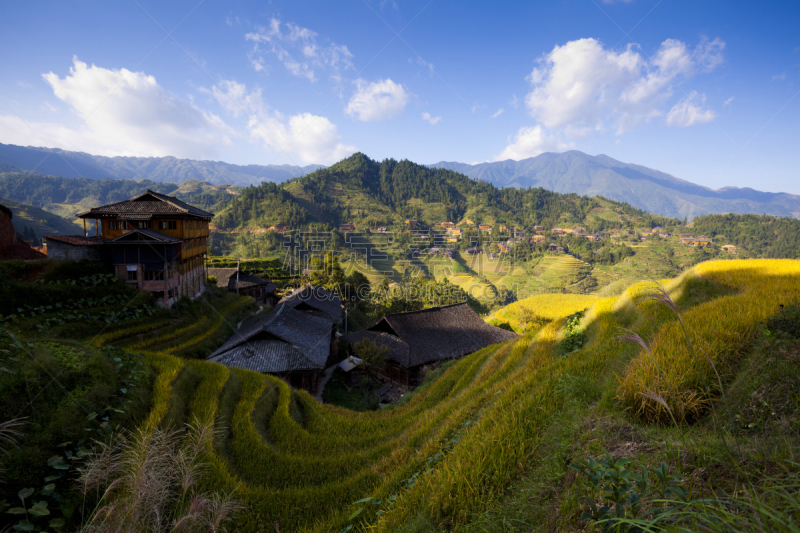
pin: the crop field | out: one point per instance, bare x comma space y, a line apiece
545, 307
561, 270
447, 455
454, 447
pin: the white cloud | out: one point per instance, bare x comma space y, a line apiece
779, 77
297, 48
124, 113
728, 102
433, 120
498, 113
514, 101
421, 62
311, 138
584, 85
530, 142
377, 100
689, 111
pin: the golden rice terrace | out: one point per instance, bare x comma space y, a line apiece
454, 451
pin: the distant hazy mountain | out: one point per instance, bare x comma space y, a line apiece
567, 172
645, 188
162, 169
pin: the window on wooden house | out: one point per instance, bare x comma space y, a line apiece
168, 224
143, 224
132, 269
154, 275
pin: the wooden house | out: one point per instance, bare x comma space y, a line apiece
696, 241
485, 228
244, 284
286, 343
559, 231
428, 336
347, 226
537, 238
446, 225
538, 228
156, 242
592, 237
410, 222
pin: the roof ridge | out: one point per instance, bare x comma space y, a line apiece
435, 308
167, 198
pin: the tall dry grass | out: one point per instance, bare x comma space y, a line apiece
690, 359
148, 481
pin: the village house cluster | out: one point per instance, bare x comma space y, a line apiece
158, 244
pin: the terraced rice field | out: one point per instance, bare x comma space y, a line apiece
546, 307
476, 288
455, 446
561, 270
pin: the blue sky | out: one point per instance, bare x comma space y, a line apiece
705, 91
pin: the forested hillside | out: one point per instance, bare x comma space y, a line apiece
761, 236
370, 193
33, 222
67, 196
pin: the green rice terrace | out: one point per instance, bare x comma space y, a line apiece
547, 432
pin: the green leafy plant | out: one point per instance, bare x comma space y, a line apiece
617, 493
574, 338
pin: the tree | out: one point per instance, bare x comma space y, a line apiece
373, 357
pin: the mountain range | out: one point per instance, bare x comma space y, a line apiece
56, 162
642, 187
566, 172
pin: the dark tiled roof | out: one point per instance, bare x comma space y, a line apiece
316, 298
283, 340
226, 277
140, 235
147, 203
76, 240
266, 355
439, 333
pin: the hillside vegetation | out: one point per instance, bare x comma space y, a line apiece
68, 196
27, 219
760, 236
489, 445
